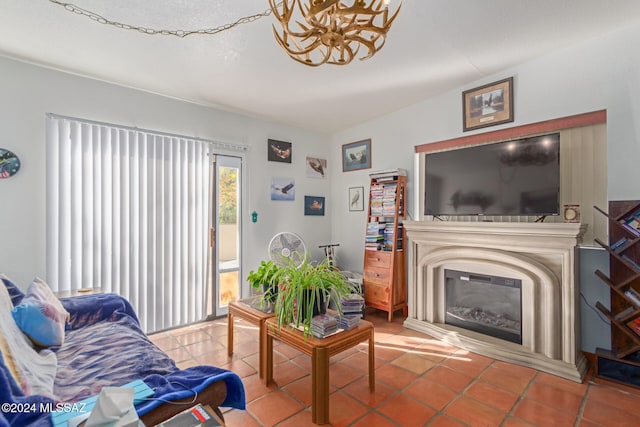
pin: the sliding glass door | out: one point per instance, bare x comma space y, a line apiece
226, 231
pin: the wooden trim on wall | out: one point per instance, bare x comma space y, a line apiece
578, 120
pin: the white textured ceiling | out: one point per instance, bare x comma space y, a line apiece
433, 46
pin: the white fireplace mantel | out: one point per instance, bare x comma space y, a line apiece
541, 255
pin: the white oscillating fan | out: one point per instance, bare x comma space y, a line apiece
287, 245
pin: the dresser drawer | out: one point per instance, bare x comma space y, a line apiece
378, 259
376, 294
376, 275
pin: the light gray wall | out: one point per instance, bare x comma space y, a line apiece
28, 93
602, 73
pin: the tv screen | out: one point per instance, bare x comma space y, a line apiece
519, 177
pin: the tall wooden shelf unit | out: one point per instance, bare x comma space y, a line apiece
384, 274
622, 362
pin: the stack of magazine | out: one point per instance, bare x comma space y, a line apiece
323, 325
348, 321
352, 304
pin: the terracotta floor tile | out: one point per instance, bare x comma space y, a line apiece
164, 342
216, 359
240, 418
394, 376
468, 363
517, 422
406, 411
414, 362
254, 387
445, 421
301, 419
288, 372
239, 367
203, 347
344, 410
340, 374
473, 413
374, 419
303, 361
273, 408
388, 352
360, 361
511, 380
604, 412
360, 390
587, 423
301, 390
616, 398
448, 378
491, 395
193, 337
554, 397
179, 354
543, 415
579, 389
430, 393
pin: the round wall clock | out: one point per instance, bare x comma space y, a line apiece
9, 163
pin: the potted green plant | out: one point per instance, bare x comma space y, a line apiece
305, 290
262, 278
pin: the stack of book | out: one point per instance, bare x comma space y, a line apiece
377, 195
632, 223
349, 321
323, 325
389, 199
375, 236
352, 304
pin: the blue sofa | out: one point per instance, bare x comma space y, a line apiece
105, 346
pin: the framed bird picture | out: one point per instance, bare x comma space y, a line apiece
356, 199
278, 151
316, 167
356, 155
314, 205
283, 189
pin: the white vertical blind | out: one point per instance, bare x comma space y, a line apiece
127, 211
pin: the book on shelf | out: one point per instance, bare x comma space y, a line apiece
632, 223
634, 325
633, 296
388, 173
196, 416
624, 313
619, 243
631, 262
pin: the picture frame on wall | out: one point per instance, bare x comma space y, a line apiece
278, 151
488, 105
356, 199
283, 189
314, 205
356, 155
316, 167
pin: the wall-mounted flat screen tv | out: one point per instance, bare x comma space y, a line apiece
518, 177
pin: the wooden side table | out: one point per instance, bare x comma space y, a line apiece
320, 351
250, 310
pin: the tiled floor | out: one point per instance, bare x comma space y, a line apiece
420, 381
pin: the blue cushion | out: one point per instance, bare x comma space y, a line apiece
14, 292
41, 316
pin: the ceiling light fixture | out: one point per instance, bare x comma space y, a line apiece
315, 32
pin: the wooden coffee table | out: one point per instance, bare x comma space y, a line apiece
320, 351
250, 310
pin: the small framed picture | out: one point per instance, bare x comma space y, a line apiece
356, 155
314, 205
356, 199
316, 167
283, 189
488, 105
278, 151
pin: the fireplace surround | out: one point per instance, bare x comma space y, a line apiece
542, 256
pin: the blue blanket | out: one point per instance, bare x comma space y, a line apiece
104, 346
